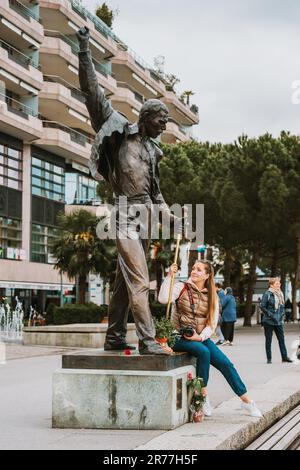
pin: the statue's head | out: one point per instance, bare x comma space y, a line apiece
153, 118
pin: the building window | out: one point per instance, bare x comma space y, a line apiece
42, 237
80, 189
10, 237
10, 167
47, 180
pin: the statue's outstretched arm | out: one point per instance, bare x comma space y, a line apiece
99, 107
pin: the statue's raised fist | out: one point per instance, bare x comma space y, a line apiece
83, 36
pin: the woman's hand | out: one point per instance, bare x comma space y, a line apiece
173, 269
195, 337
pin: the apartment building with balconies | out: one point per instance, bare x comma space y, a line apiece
46, 134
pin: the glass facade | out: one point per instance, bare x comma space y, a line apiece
47, 180
80, 189
10, 167
10, 237
41, 240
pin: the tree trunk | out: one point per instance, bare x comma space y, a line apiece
228, 263
209, 254
250, 289
294, 294
193, 256
81, 289
283, 281
241, 292
274, 265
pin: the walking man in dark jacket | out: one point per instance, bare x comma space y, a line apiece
272, 305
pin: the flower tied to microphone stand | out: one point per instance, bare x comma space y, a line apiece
196, 399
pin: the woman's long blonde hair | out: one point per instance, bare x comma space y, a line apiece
211, 288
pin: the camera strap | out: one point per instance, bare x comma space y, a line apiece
191, 298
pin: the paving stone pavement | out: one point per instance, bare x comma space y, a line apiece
26, 381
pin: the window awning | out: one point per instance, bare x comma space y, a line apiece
34, 286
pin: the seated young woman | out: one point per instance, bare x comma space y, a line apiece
195, 317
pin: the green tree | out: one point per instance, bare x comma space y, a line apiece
245, 192
187, 94
105, 14
79, 251
171, 81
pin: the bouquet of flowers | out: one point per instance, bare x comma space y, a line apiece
164, 332
195, 386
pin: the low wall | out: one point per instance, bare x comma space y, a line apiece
90, 335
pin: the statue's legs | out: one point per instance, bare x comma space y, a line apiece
131, 289
118, 312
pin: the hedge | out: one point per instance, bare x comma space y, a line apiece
79, 313
240, 310
49, 319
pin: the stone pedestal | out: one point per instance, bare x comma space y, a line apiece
124, 398
91, 335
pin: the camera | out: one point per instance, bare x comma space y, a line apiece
187, 331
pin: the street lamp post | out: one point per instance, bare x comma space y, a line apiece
61, 291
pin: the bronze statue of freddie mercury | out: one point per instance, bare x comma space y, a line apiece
127, 157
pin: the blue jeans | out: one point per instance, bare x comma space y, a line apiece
208, 353
278, 329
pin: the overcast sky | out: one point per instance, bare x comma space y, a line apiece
240, 57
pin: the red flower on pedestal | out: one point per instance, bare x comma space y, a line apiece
127, 352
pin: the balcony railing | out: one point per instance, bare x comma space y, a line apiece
77, 7
100, 68
100, 26
85, 202
138, 97
181, 128
23, 10
56, 34
107, 32
75, 136
17, 56
75, 49
75, 92
17, 107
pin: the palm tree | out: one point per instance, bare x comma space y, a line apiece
188, 94
78, 250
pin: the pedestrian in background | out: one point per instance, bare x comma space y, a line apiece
258, 311
272, 305
228, 316
221, 294
288, 310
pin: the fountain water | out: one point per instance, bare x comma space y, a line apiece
11, 322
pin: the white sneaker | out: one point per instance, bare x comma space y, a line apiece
252, 409
226, 343
206, 407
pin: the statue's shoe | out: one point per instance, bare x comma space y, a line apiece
155, 348
118, 347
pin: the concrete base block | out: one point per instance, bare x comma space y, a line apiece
115, 399
72, 336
